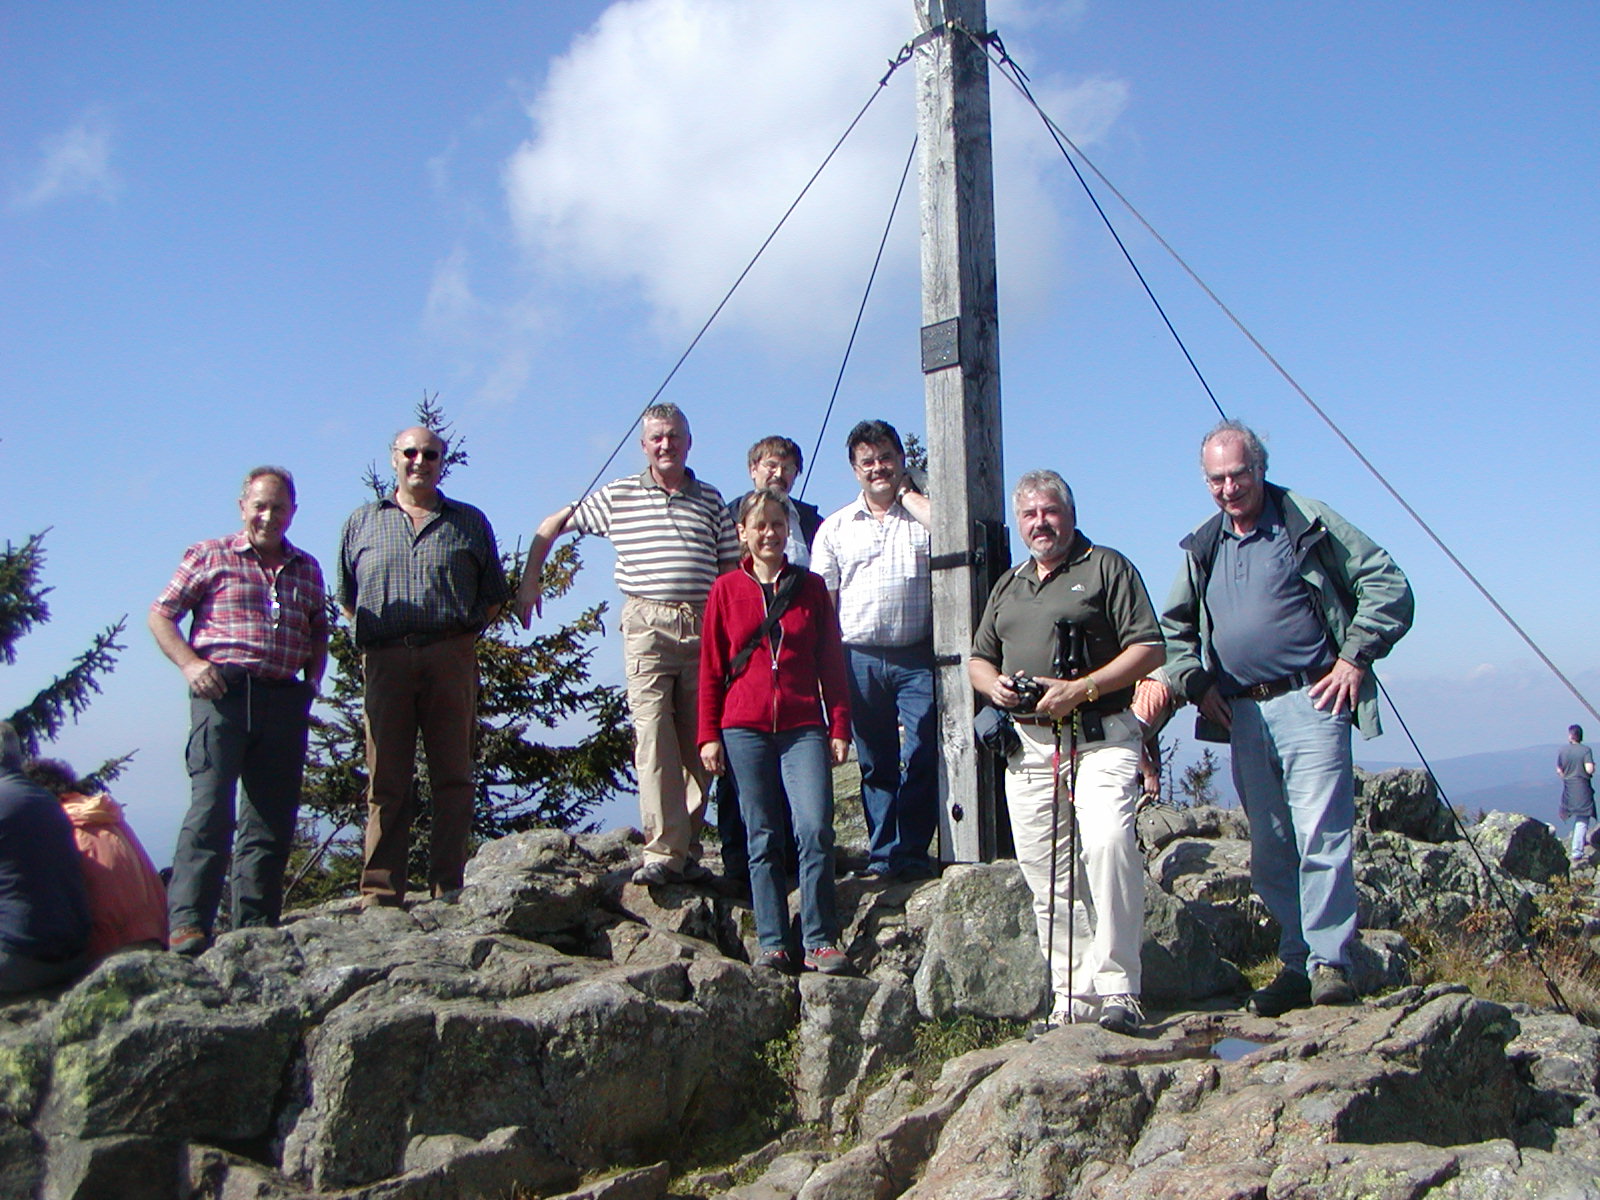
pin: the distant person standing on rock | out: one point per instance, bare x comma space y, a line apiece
1274, 622
1575, 765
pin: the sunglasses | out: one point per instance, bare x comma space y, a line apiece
412, 452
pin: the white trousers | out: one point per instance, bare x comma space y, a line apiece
1107, 922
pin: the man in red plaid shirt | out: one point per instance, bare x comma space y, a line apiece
253, 660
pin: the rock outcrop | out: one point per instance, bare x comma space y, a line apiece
556, 1030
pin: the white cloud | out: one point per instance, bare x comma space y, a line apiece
76, 162
671, 137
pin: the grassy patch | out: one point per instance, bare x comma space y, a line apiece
1486, 955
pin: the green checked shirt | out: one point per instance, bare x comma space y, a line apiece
399, 580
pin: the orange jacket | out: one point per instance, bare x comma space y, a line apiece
126, 900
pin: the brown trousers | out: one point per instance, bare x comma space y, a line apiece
432, 690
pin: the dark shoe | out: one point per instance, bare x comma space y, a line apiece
874, 873
1290, 989
829, 961
1121, 1014
777, 960
732, 887
655, 873
1330, 985
915, 872
189, 940
694, 872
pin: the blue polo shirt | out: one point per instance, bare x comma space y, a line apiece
1264, 621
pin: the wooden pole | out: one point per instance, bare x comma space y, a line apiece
961, 372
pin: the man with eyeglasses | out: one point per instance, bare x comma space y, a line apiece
253, 659
1277, 615
419, 579
874, 556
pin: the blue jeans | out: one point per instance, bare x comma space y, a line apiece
768, 765
891, 688
1292, 769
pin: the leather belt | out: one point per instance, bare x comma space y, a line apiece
1275, 687
415, 641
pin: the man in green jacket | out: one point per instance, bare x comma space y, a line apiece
1273, 624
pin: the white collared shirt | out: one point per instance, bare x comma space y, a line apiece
881, 574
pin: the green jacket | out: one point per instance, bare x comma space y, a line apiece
1365, 601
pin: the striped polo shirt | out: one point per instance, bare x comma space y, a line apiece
671, 546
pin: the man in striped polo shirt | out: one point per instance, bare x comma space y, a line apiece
673, 538
253, 659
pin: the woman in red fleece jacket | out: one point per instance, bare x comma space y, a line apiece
777, 720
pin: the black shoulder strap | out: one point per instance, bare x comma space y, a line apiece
782, 596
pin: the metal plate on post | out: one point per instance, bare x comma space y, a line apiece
941, 345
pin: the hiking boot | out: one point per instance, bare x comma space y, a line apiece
829, 961
694, 872
776, 960
1122, 1014
189, 940
1291, 989
1330, 985
652, 874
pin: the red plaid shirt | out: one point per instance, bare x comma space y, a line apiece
243, 613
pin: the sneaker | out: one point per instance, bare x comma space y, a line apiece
189, 940
1074, 1012
776, 960
875, 873
829, 960
1291, 989
655, 873
1122, 1014
1330, 985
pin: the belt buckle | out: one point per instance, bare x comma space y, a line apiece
1259, 691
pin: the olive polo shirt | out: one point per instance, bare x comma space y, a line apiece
1095, 587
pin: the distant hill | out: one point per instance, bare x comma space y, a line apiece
1506, 780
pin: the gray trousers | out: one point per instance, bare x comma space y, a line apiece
255, 734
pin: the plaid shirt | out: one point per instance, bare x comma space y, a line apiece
881, 574
244, 614
399, 580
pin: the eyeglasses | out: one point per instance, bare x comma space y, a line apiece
1242, 475
413, 451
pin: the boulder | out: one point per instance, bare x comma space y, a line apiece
849, 1029
1521, 846
1179, 958
982, 948
1405, 801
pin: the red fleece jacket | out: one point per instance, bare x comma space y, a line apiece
775, 693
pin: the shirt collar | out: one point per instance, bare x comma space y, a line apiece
390, 502
860, 509
1076, 553
1271, 519
690, 488
241, 545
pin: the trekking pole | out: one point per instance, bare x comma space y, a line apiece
1072, 853
1050, 920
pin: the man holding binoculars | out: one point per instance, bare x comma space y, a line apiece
1062, 642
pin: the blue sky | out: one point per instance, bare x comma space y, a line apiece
245, 233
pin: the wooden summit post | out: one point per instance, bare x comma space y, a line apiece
961, 371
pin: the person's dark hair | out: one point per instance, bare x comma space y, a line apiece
10, 747
279, 473
872, 433
1253, 449
54, 776
762, 496
1575, 732
781, 447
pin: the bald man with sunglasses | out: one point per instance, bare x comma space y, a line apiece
419, 578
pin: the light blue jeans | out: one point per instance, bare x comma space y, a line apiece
769, 766
1292, 769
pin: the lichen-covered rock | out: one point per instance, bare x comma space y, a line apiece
849, 1029
982, 948
1179, 959
1404, 800
1521, 846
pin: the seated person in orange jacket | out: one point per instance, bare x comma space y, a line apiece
127, 904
